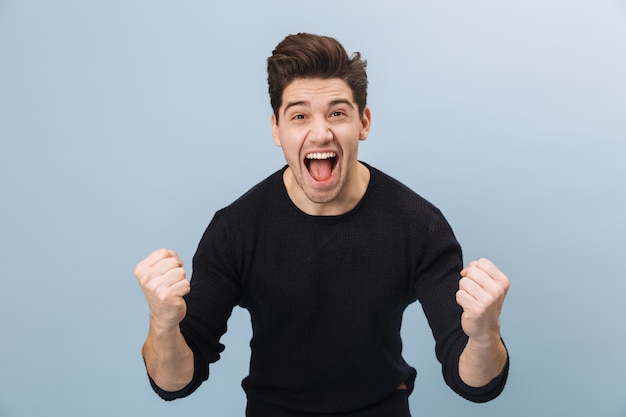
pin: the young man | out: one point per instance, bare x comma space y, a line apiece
326, 254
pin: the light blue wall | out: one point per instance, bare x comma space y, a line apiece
125, 124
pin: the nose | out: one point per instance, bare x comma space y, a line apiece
320, 131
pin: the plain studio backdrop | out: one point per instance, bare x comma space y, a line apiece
124, 125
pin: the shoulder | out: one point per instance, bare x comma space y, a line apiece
262, 195
394, 196
237, 222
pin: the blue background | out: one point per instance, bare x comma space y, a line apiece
124, 125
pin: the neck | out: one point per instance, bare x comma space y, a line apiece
350, 195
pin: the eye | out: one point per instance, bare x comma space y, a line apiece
298, 117
337, 113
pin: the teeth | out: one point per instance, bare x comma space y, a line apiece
321, 155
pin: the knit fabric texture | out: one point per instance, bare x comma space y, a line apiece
326, 296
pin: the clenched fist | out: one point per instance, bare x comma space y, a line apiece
163, 282
481, 294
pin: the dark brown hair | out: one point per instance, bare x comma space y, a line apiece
305, 55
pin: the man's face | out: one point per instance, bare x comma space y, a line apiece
319, 130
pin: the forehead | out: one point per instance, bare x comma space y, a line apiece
311, 90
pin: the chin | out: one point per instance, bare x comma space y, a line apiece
321, 197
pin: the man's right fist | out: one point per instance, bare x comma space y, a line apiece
163, 281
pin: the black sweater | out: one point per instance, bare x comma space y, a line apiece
326, 295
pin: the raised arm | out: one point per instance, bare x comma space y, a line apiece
481, 294
169, 360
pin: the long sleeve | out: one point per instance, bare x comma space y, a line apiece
215, 291
437, 283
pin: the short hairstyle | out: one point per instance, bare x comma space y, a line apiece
305, 55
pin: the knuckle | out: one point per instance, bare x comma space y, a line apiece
151, 286
172, 263
176, 274
463, 282
138, 270
500, 292
162, 294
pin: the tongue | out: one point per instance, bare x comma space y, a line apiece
320, 169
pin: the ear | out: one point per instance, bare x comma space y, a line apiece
275, 134
366, 123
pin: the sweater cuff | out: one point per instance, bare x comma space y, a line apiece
171, 395
487, 392
200, 374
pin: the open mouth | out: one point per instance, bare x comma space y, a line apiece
321, 165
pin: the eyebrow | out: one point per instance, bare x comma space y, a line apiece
306, 104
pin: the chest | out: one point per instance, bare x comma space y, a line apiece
329, 266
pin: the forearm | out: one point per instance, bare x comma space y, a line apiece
481, 362
169, 360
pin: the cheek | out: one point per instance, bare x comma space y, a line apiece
291, 153
291, 143
351, 142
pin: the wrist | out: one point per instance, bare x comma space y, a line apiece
164, 333
484, 341
482, 360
